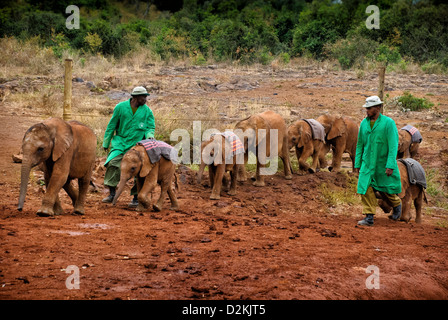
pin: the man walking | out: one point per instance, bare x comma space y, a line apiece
131, 122
376, 153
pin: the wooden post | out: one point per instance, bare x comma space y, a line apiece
381, 75
67, 114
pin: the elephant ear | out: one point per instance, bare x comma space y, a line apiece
62, 135
337, 129
146, 164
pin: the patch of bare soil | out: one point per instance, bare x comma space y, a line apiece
281, 241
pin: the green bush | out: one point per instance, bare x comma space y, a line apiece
408, 101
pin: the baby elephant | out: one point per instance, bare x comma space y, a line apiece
136, 163
409, 191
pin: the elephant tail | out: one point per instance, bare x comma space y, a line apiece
424, 196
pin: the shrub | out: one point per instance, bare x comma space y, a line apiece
408, 101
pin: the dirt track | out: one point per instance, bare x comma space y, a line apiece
277, 242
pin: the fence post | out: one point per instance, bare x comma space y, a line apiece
67, 114
381, 75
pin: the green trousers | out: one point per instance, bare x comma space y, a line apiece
112, 175
370, 202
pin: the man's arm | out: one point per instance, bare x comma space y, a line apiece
151, 125
359, 149
392, 144
111, 127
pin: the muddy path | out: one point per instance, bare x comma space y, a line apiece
282, 241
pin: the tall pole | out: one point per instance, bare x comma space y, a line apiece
381, 74
67, 114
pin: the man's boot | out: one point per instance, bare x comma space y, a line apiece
111, 195
396, 213
367, 221
134, 202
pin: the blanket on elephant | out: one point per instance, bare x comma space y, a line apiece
416, 173
156, 149
415, 134
235, 142
317, 129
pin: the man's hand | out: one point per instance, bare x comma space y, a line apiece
106, 149
389, 172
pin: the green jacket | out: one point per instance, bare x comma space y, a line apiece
129, 128
376, 150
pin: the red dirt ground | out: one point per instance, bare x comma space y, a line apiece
277, 242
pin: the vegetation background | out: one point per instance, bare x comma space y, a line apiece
242, 31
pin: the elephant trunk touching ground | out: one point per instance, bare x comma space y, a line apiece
120, 188
24, 177
201, 171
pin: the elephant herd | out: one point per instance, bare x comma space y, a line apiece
66, 151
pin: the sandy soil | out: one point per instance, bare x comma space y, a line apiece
281, 241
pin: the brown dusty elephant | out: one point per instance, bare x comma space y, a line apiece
136, 163
341, 134
66, 151
300, 136
409, 193
406, 148
255, 134
218, 154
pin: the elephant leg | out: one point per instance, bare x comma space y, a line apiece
211, 174
306, 153
286, 160
148, 186
173, 198
315, 163
418, 202
241, 169
164, 186
83, 185
232, 190
337, 158
259, 179
323, 152
406, 207
216, 190
55, 183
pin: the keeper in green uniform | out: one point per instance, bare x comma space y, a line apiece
131, 122
376, 161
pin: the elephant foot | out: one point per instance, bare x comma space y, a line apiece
418, 220
288, 177
79, 212
215, 196
45, 213
258, 183
232, 193
174, 208
244, 179
311, 170
140, 208
157, 208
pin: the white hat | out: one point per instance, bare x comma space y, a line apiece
139, 91
372, 101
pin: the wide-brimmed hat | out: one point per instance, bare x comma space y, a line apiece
139, 91
372, 101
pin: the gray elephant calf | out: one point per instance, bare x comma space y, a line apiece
66, 151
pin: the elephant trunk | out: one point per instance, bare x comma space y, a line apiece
201, 171
120, 189
24, 177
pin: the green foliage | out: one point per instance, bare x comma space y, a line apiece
252, 31
408, 101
